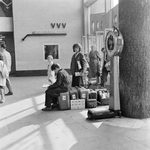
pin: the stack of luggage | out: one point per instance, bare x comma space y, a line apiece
79, 102
81, 98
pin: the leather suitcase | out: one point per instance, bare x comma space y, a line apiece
64, 101
73, 93
91, 103
103, 96
100, 114
83, 93
92, 94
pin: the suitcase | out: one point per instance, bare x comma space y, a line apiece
64, 101
83, 93
100, 114
92, 94
103, 96
73, 93
78, 104
91, 103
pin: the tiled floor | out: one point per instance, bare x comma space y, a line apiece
23, 126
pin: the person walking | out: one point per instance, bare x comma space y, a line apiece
7, 61
3, 76
78, 66
61, 85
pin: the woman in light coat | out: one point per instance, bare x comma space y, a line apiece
50, 74
94, 63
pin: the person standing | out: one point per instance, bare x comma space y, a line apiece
78, 66
3, 76
7, 61
61, 85
50, 74
105, 67
94, 63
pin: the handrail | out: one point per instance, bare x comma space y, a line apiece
43, 34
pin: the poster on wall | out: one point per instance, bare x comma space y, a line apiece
51, 49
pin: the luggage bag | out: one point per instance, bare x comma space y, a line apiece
83, 93
92, 100
78, 104
91, 103
73, 93
92, 94
100, 114
64, 101
103, 96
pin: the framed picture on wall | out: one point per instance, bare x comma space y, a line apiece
51, 49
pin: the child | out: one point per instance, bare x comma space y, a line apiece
50, 74
3, 75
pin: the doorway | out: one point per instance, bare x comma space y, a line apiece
100, 41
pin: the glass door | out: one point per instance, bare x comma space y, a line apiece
100, 41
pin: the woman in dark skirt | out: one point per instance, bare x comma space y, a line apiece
78, 65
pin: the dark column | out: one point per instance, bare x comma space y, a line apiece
134, 24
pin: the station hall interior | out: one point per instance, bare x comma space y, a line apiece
33, 29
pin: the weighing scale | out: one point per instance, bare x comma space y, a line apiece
113, 44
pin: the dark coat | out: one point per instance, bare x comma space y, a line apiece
61, 85
78, 58
94, 63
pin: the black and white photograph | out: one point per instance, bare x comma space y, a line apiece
74, 74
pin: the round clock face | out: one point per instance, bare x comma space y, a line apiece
114, 43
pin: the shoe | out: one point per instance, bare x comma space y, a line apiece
9, 93
47, 109
2, 101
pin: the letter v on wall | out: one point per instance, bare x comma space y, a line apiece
58, 25
52, 25
64, 25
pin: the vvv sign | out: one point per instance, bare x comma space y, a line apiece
58, 25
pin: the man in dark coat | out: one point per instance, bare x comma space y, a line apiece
104, 69
61, 85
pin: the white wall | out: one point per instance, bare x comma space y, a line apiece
6, 24
98, 7
37, 15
